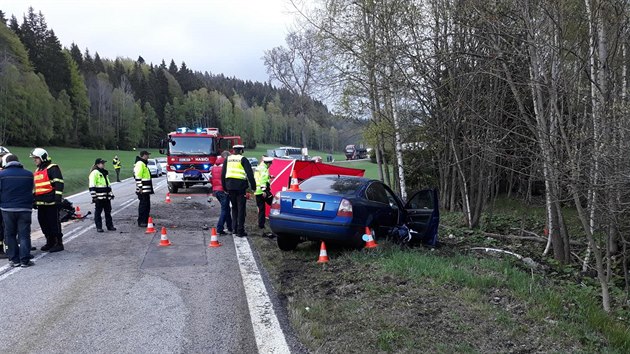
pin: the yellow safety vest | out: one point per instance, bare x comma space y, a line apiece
234, 168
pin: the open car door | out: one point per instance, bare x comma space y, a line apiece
423, 216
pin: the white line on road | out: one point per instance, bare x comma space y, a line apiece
269, 336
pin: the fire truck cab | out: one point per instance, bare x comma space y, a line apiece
191, 154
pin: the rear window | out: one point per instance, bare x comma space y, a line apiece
332, 185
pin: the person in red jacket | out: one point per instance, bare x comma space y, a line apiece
222, 197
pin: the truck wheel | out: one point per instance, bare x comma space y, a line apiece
287, 243
172, 188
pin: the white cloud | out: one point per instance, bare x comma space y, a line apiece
219, 36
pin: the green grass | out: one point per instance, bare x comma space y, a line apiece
75, 164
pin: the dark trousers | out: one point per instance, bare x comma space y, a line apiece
237, 199
260, 203
48, 217
117, 174
225, 217
100, 206
144, 208
17, 226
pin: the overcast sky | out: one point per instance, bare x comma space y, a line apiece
218, 36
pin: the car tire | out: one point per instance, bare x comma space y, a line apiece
287, 243
172, 188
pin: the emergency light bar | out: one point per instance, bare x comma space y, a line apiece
209, 131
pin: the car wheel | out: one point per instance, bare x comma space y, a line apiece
287, 243
172, 188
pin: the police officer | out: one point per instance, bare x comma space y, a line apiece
263, 191
235, 176
117, 166
102, 195
48, 195
144, 187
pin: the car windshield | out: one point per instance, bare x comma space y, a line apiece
190, 145
287, 151
151, 162
333, 185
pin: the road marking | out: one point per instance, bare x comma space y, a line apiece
269, 336
6, 271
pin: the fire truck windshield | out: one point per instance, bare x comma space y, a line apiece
190, 145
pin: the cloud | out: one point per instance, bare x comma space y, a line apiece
219, 36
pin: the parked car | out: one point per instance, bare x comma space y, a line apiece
154, 168
253, 161
338, 208
162, 162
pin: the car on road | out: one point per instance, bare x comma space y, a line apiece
154, 168
338, 208
253, 161
162, 162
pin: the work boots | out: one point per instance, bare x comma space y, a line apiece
58, 246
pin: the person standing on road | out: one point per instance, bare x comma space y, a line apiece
16, 203
235, 176
222, 197
144, 187
102, 195
263, 191
117, 166
2, 245
48, 196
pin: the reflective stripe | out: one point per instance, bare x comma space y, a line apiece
43, 185
262, 178
234, 168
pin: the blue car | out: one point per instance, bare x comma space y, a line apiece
338, 208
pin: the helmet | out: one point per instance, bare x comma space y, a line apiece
6, 158
219, 161
41, 153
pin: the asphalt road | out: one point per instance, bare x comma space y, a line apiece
118, 291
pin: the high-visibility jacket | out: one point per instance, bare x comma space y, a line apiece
99, 185
262, 178
117, 164
142, 175
48, 184
235, 168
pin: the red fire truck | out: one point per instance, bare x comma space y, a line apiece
191, 154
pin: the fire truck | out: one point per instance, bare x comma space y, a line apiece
191, 154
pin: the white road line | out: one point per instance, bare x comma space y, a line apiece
269, 336
73, 234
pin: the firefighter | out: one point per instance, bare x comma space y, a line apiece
224, 200
102, 195
144, 187
2, 252
263, 191
117, 166
48, 197
236, 174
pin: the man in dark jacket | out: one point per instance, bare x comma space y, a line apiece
236, 174
16, 202
48, 196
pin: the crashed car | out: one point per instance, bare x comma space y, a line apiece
336, 208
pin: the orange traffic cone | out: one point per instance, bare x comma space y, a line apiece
150, 228
77, 212
295, 186
214, 240
323, 255
163, 239
369, 240
168, 198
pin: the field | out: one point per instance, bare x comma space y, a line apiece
75, 164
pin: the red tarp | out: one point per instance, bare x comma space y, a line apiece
281, 171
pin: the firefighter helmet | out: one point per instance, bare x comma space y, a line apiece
41, 153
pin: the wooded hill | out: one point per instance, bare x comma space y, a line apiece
51, 95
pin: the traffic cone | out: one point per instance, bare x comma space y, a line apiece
168, 198
323, 255
214, 240
163, 239
77, 212
369, 243
150, 228
295, 186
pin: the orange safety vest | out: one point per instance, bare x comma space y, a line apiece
42, 182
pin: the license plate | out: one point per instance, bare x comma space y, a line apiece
303, 204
